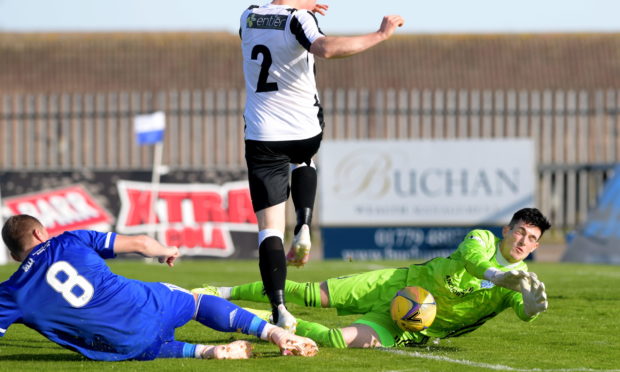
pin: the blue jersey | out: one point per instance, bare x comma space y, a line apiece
66, 292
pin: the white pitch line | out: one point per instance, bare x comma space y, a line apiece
497, 367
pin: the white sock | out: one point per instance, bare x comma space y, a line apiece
224, 292
266, 233
199, 350
266, 331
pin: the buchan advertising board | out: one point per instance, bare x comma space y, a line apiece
417, 199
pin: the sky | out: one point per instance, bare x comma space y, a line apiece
344, 16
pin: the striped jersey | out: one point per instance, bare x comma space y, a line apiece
282, 102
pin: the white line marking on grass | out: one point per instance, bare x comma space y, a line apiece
497, 367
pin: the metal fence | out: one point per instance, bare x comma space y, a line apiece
577, 133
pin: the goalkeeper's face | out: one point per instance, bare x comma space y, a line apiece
519, 241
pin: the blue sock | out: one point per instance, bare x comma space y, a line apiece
224, 316
177, 349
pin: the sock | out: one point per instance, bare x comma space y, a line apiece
304, 217
272, 264
224, 316
224, 292
266, 331
177, 349
250, 292
199, 350
303, 193
331, 337
304, 294
266, 233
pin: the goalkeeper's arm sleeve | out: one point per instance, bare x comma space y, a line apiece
476, 251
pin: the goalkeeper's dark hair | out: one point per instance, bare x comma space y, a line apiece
531, 216
17, 230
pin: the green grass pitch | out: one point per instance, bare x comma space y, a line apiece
579, 332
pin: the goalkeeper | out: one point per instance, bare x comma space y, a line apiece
483, 277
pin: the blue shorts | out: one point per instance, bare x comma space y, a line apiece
178, 308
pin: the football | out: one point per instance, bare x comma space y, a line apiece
413, 309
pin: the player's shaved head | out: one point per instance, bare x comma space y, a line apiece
17, 232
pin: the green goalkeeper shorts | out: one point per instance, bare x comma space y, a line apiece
370, 294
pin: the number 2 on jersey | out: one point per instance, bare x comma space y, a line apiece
72, 279
262, 84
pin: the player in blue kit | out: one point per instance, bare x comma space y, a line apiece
65, 291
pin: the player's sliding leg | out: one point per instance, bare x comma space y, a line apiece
330, 337
288, 342
221, 292
303, 193
353, 336
235, 350
225, 316
303, 294
177, 349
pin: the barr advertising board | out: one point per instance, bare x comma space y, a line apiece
204, 214
67, 208
197, 218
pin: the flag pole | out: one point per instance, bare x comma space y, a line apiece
3, 251
149, 129
155, 177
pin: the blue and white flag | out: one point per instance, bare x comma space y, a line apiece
149, 128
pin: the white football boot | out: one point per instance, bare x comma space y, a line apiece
299, 254
286, 320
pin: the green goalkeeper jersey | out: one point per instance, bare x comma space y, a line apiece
465, 300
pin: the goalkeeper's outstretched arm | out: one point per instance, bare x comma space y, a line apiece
476, 252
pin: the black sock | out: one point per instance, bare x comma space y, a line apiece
272, 264
303, 193
304, 217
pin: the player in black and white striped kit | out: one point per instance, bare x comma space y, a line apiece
284, 125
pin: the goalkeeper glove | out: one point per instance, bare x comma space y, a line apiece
507, 279
534, 295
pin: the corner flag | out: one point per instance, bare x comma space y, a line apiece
149, 128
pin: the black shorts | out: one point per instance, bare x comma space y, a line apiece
268, 167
